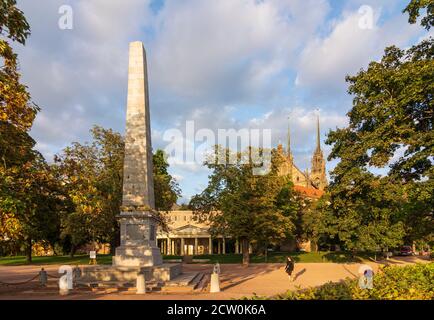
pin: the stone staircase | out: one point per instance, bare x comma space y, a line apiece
187, 282
184, 283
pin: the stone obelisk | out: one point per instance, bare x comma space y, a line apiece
138, 221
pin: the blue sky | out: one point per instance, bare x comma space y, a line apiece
223, 64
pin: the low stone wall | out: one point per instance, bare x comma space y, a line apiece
161, 273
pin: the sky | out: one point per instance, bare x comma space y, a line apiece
227, 64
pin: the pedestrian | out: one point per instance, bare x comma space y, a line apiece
289, 267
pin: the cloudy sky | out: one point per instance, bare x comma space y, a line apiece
223, 64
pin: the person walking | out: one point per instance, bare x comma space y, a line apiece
289, 267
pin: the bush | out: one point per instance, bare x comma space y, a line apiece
414, 282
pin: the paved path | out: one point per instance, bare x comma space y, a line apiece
236, 280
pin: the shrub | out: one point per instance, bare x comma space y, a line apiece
413, 282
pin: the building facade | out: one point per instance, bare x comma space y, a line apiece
186, 236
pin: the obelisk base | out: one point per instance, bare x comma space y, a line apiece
138, 241
137, 256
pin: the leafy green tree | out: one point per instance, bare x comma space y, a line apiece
166, 188
242, 205
92, 176
415, 7
390, 125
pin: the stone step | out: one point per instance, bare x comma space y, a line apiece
204, 282
196, 281
182, 280
118, 286
183, 283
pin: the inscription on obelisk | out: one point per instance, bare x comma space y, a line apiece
138, 221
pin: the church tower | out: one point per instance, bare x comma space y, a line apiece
318, 173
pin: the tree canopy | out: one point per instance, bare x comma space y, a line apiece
246, 206
390, 129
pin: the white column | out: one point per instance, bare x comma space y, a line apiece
195, 245
169, 246
182, 247
237, 246
210, 245
224, 245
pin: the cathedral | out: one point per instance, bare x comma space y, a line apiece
310, 184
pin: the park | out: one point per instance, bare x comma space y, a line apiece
345, 215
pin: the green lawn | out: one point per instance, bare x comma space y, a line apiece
280, 257
273, 257
78, 259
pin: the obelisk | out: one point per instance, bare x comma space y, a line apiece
138, 220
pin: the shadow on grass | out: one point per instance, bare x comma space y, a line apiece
342, 257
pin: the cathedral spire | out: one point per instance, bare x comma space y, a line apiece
318, 172
318, 140
288, 147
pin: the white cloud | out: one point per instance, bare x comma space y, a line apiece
229, 50
325, 61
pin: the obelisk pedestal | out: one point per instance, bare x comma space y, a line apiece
138, 241
138, 219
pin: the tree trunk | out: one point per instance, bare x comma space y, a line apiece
72, 252
266, 253
114, 243
246, 256
29, 250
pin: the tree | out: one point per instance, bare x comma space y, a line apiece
23, 173
166, 188
415, 6
239, 204
390, 125
92, 176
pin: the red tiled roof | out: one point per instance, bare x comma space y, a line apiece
309, 192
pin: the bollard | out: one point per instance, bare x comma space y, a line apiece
215, 283
65, 281
216, 268
76, 273
63, 286
141, 284
43, 277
